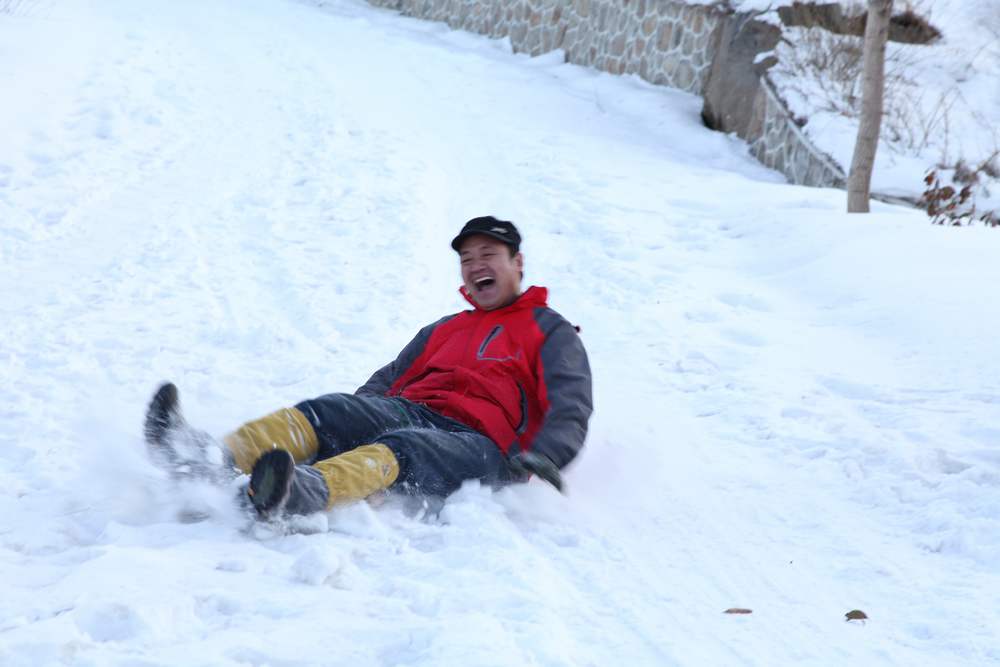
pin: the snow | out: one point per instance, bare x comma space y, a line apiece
797, 410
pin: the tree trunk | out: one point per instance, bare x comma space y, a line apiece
873, 87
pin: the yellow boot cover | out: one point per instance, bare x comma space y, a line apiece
286, 429
357, 474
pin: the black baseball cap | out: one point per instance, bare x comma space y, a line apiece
501, 230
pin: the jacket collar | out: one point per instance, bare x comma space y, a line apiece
533, 297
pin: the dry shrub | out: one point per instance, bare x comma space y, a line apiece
950, 193
829, 65
825, 67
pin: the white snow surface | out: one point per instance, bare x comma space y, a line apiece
797, 410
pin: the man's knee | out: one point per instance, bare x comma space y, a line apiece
287, 429
298, 430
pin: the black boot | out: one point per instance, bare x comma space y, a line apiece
163, 415
278, 486
184, 451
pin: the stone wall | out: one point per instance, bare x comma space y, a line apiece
701, 49
783, 146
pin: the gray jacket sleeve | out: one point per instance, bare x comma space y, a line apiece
380, 382
568, 388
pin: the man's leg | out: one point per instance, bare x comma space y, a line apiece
418, 461
319, 428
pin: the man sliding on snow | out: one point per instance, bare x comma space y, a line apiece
495, 393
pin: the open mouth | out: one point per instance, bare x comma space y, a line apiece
484, 283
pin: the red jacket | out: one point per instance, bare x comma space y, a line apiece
518, 374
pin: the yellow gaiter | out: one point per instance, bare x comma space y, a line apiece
286, 429
357, 474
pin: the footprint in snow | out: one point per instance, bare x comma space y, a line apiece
703, 316
744, 301
110, 622
742, 337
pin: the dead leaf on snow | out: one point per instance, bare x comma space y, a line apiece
738, 610
856, 615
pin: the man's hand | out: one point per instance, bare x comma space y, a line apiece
530, 463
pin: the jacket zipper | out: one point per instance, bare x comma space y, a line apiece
523, 425
489, 339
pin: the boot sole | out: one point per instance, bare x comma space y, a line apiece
271, 482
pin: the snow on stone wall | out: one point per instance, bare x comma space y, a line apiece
663, 41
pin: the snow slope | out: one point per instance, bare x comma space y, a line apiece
797, 411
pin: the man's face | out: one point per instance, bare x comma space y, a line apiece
491, 276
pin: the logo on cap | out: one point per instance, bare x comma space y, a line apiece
499, 230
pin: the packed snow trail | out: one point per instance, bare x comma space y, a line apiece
797, 411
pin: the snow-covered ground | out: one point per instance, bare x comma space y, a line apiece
798, 411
